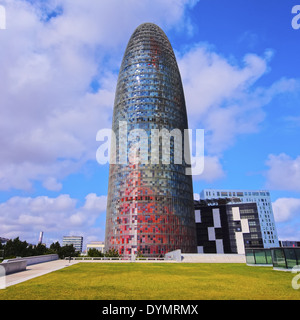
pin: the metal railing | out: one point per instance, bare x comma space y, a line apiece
118, 258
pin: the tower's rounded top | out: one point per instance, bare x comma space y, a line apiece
149, 27
147, 24
150, 37
149, 74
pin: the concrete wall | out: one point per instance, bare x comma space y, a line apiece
40, 259
174, 255
205, 257
213, 258
14, 266
36, 259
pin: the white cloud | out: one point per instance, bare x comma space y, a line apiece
93, 202
26, 216
108, 22
287, 213
223, 98
286, 209
283, 173
212, 170
52, 184
51, 52
210, 79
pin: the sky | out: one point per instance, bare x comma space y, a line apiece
59, 63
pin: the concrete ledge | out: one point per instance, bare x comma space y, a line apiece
259, 265
14, 266
36, 259
213, 258
176, 255
40, 259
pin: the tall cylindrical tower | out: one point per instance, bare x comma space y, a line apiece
150, 206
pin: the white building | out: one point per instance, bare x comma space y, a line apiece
99, 245
264, 206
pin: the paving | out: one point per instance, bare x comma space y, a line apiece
36, 270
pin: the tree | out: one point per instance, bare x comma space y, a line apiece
139, 254
67, 251
30, 251
63, 252
93, 252
112, 253
40, 249
55, 247
15, 248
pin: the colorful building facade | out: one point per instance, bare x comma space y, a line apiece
150, 201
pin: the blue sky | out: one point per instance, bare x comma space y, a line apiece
59, 62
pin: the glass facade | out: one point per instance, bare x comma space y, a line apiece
286, 258
150, 205
259, 256
280, 258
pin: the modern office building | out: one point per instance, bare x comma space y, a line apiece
264, 207
227, 228
150, 201
76, 241
99, 245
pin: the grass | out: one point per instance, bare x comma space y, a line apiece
156, 281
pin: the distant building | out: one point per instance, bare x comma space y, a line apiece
99, 245
227, 228
76, 241
264, 206
287, 243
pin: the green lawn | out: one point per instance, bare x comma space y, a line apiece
148, 281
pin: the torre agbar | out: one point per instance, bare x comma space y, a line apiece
150, 209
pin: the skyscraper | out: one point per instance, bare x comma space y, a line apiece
150, 201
